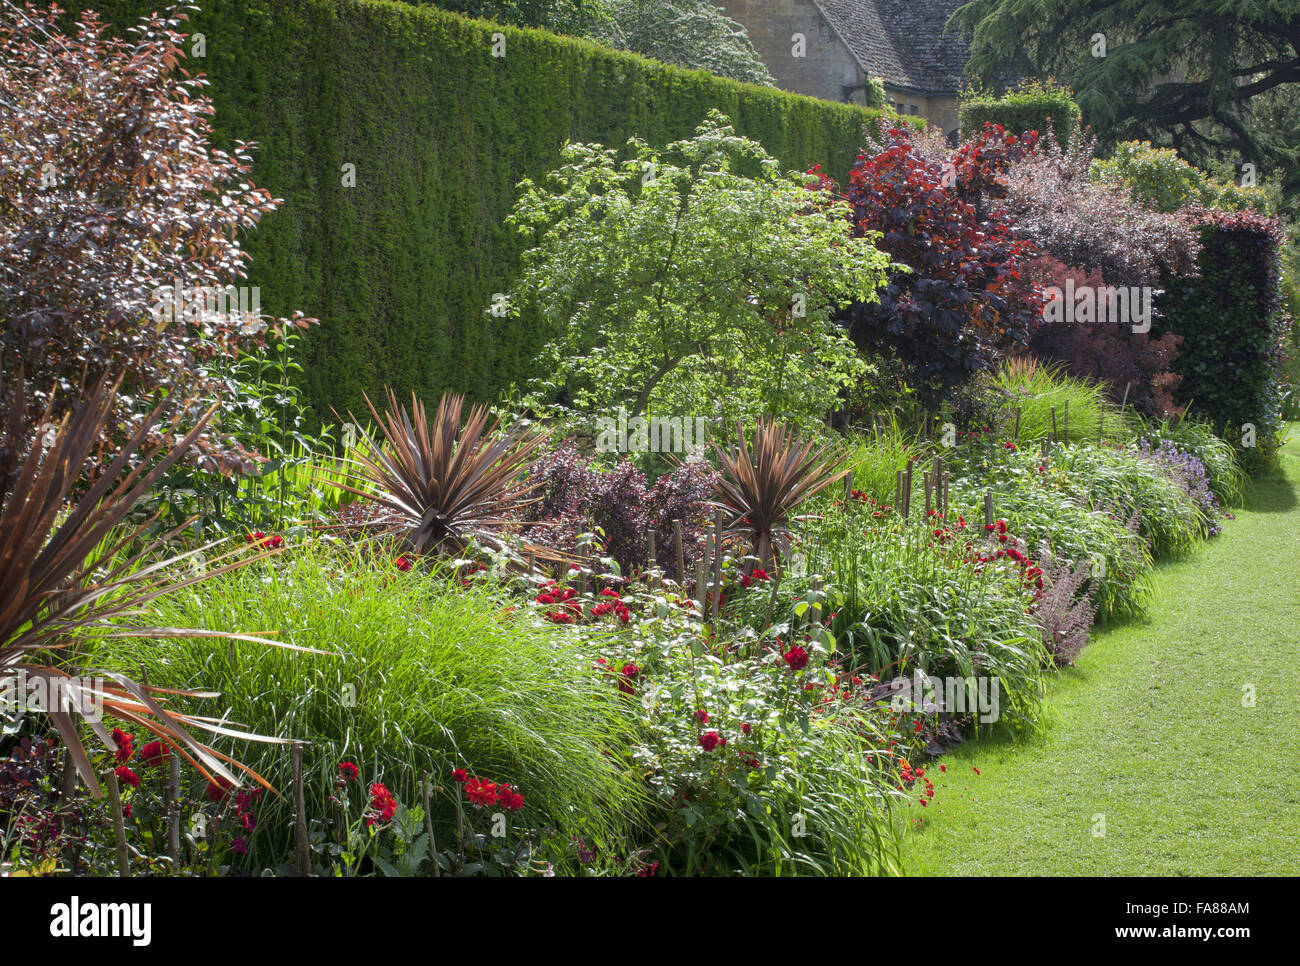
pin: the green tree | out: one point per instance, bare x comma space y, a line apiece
697, 281
1180, 73
687, 33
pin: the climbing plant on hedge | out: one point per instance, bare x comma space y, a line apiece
1233, 329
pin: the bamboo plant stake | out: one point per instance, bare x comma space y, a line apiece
119, 827
425, 791
988, 508
701, 578
679, 552
171, 797
301, 847
717, 564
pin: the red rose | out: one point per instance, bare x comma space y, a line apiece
155, 753
125, 742
711, 739
127, 777
702, 716
796, 658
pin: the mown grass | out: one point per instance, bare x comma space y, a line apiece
1150, 731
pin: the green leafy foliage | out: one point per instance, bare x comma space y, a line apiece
1160, 178
1233, 330
401, 268
1032, 106
698, 281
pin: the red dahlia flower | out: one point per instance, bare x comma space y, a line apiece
383, 806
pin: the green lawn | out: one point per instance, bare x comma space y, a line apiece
1150, 731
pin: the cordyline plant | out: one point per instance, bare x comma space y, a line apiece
69, 575
761, 489
442, 486
112, 201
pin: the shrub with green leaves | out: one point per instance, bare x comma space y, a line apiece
754, 771
696, 281
1029, 107
1160, 178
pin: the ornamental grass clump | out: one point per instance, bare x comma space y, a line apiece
430, 675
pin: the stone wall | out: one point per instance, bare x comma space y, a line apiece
826, 66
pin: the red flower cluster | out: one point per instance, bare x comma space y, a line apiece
155, 753
759, 575
629, 674
383, 806
796, 658
571, 606
711, 740
275, 541
126, 776
348, 771
125, 742
484, 793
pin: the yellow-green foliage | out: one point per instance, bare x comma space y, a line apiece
1160, 178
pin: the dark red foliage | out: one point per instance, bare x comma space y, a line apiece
109, 193
1133, 365
967, 296
577, 498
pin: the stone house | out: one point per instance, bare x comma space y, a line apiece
846, 42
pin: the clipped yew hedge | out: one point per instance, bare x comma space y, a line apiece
1027, 108
1233, 329
401, 268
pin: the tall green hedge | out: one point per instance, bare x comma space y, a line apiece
1026, 108
401, 268
1233, 328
